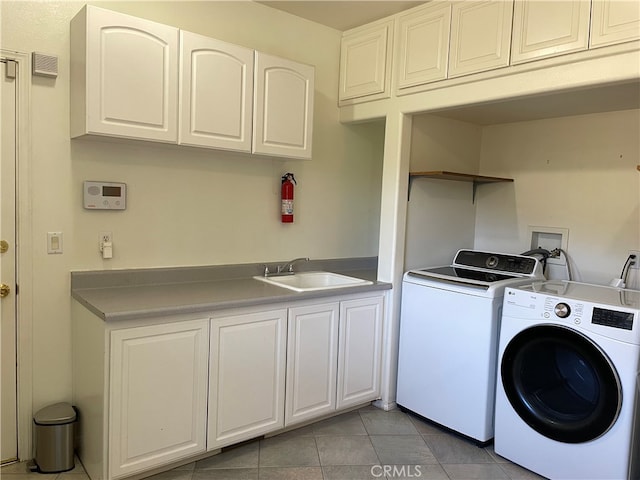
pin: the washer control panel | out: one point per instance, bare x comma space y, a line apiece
499, 262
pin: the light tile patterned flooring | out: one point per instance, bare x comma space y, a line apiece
357, 445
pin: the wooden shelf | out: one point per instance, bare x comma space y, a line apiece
459, 177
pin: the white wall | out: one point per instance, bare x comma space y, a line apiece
185, 206
574, 172
440, 213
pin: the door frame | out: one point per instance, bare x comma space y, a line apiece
24, 273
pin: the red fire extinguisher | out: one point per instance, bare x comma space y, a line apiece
286, 195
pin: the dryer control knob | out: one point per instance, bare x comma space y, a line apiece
562, 310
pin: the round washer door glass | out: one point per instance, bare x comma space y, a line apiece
561, 383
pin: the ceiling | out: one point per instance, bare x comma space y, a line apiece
341, 14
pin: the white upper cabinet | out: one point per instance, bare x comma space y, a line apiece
614, 21
546, 29
422, 45
283, 107
138, 79
124, 74
480, 36
365, 62
216, 93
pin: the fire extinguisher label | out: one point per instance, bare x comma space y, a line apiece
287, 207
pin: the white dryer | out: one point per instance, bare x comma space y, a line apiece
567, 387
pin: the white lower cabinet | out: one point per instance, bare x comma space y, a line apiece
247, 372
152, 392
333, 357
359, 351
157, 395
312, 361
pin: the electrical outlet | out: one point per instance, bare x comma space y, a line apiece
636, 265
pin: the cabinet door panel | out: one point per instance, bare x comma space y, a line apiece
480, 36
283, 111
359, 351
247, 365
423, 45
614, 21
158, 395
216, 93
545, 29
132, 77
312, 357
365, 67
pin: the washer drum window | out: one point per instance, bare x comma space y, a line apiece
561, 383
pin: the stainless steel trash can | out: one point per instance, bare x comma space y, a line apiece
54, 438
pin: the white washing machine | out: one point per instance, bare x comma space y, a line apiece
567, 389
449, 338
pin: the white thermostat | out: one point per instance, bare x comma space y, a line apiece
105, 195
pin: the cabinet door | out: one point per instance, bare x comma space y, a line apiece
130, 66
359, 351
312, 356
480, 36
158, 395
614, 21
365, 62
546, 29
216, 92
247, 374
423, 45
283, 107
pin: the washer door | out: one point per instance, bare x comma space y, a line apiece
561, 383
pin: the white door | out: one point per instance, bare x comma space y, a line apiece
312, 361
283, 107
216, 92
8, 315
158, 395
130, 66
480, 36
535, 37
247, 372
359, 351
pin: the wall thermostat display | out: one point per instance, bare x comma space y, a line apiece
105, 195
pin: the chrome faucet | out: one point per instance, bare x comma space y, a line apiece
284, 269
287, 268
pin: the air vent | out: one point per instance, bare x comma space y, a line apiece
44, 65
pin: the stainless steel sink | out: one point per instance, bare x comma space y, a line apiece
311, 281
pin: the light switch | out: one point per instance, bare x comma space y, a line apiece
54, 242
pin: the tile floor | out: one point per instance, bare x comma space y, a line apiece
352, 446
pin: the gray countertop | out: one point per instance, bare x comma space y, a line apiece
142, 293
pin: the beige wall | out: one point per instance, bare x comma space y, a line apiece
576, 172
185, 206
440, 213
